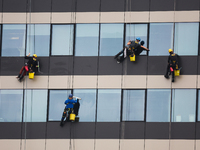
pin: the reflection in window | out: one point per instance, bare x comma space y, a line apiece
136, 30
13, 40
87, 110
160, 38
11, 105
186, 38
111, 39
62, 39
108, 106
87, 38
133, 105
158, 105
56, 103
38, 39
35, 105
184, 105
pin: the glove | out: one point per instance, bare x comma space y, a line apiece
76, 97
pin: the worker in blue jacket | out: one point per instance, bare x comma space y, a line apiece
70, 102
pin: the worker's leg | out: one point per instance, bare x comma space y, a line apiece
64, 114
63, 117
116, 56
120, 59
20, 72
167, 72
174, 67
70, 110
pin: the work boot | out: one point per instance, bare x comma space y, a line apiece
166, 76
172, 79
61, 123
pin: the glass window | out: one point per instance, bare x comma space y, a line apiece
35, 105
158, 105
38, 39
160, 38
87, 110
133, 105
186, 38
11, 105
111, 39
13, 40
62, 39
136, 30
56, 103
108, 106
184, 105
87, 39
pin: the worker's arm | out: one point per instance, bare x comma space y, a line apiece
27, 57
145, 48
66, 102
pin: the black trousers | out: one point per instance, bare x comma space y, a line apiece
66, 113
168, 72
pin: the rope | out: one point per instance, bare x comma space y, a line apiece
25, 119
71, 78
172, 96
97, 73
147, 76
124, 71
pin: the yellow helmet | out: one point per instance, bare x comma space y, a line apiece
170, 50
34, 55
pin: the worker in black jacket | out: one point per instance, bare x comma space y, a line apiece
136, 47
132, 48
172, 64
31, 65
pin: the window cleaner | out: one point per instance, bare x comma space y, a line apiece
172, 66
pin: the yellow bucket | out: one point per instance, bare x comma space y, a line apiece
132, 58
31, 75
72, 117
176, 72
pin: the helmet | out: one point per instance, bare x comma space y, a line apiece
34, 55
70, 95
170, 50
138, 38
